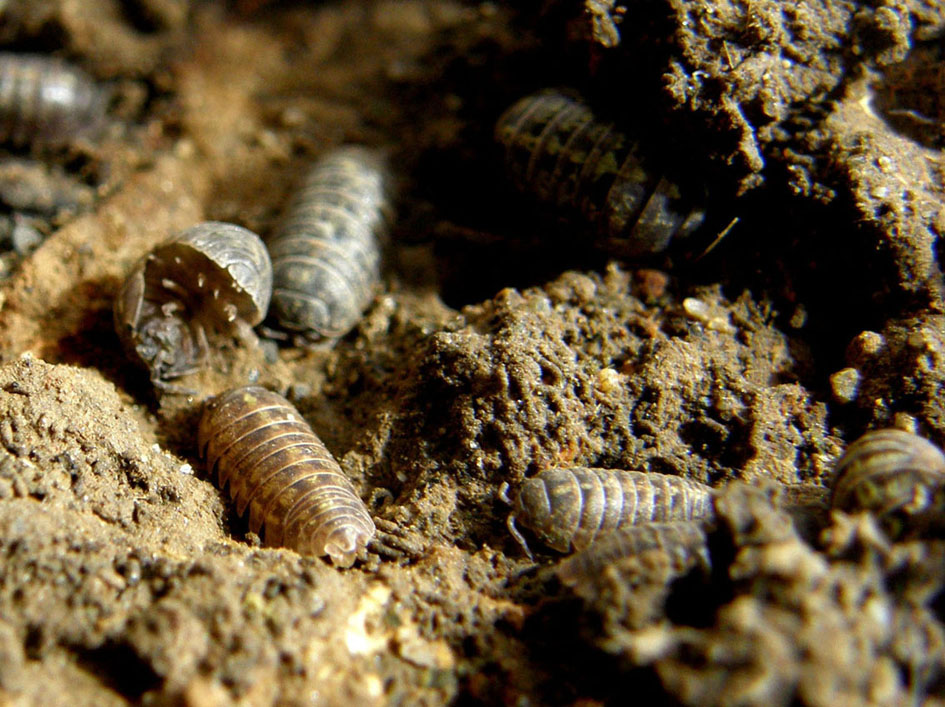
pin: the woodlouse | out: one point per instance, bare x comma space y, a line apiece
211, 279
277, 467
683, 542
326, 254
45, 101
571, 507
896, 475
557, 150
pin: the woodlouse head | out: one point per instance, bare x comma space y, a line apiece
212, 279
546, 506
896, 475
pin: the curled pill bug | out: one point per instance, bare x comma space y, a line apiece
213, 279
570, 508
45, 101
557, 150
277, 468
683, 542
896, 475
326, 254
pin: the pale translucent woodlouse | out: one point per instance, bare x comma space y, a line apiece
683, 542
45, 101
275, 465
326, 254
557, 150
894, 474
570, 508
211, 279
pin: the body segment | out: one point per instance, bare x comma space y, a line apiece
279, 471
570, 508
327, 252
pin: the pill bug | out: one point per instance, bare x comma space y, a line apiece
896, 475
683, 542
326, 254
210, 280
46, 102
277, 467
557, 150
571, 507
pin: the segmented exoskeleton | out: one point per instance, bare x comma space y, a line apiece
557, 150
277, 467
326, 254
45, 101
898, 476
570, 508
214, 278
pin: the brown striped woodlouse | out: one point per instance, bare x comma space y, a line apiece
571, 507
211, 279
683, 542
896, 475
557, 150
276, 466
46, 102
326, 254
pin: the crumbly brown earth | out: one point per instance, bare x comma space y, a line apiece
501, 343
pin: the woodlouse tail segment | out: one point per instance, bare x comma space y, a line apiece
557, 150
343, 546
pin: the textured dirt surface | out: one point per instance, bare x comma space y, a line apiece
500, 343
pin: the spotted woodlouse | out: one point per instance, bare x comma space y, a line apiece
557, 150
571, 507
46, 102
211, 279
896, 475
683, 542
275, 465
326, 254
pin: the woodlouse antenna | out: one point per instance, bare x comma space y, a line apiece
519, 538
718, 239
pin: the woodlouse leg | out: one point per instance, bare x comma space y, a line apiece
503, 495
395, 542
172, 388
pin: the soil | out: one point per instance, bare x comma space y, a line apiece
502, 342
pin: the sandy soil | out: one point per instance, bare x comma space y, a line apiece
502, 342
